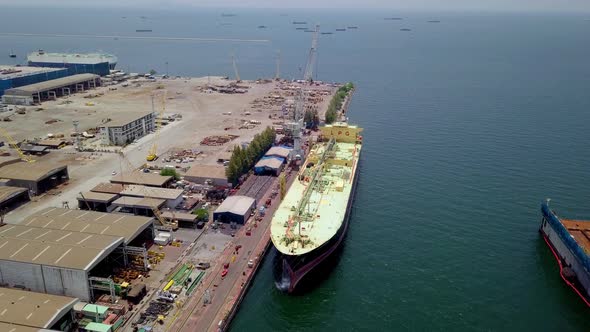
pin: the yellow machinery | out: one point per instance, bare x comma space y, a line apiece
172, 225
13, 145
153, 152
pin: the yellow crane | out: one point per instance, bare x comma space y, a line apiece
168, 225
153, 152
14, 145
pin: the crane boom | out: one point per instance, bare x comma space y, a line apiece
233, 60
14, 145
153, 152
312, 58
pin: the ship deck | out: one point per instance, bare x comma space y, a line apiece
327, 203
580, 230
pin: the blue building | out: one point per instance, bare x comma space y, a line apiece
14, 77
89, 63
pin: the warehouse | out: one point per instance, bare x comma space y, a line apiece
75, 63
12, 197
134, 230
52, 261
7, 160
279, 151
14, 77
185, 220
269, 165
24, 309
235, 209
127, 128
139, 206
96, 201
38, 177
38, 92
207, 174
107, 188
145, 179
173, 197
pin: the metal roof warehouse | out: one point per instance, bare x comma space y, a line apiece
37, 177
33, 310
124, 225
140, 178
235, 209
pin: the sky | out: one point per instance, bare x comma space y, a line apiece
426, 5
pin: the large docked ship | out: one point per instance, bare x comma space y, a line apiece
569, 241
312, 220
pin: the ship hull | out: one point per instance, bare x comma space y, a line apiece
290, 270
572, 268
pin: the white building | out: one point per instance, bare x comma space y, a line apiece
127, 128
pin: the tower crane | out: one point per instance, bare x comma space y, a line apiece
153, 152
14, 145
295, 126
233, 60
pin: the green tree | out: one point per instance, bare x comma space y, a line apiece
202, 214
153, 72
170, 172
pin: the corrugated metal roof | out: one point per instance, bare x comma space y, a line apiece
279, 151
9, 327
239, 205
32, 309
105, 187
7, 192
30, 171
179, 216
151, 192
148, 179
274, 163
124, 225
51, 84
98, 197
140, 202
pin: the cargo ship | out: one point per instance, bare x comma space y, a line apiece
312, 220
569, 241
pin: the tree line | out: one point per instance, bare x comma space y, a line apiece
243, 159
336, 102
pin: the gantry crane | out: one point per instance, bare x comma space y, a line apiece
153, 152
233, 60
14, 145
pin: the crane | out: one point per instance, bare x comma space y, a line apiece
153, 152
278, 72
312, 57
297, 124
233, 60
14, 145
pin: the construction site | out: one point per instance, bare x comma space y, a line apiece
116, 197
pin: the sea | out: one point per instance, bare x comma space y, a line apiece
469, 124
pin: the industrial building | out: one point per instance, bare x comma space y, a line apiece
94, 201
235, 209
172, 197
139, 206
37, 177
12, 197
279, 151
186, 220
74, 63
32, 311
14, 77
108, 188
269, 165
71, 252
127, 128
207, 174
144, 179
134, 230
38, 92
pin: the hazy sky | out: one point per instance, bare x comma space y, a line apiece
451, 5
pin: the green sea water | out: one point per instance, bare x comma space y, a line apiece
469, 124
